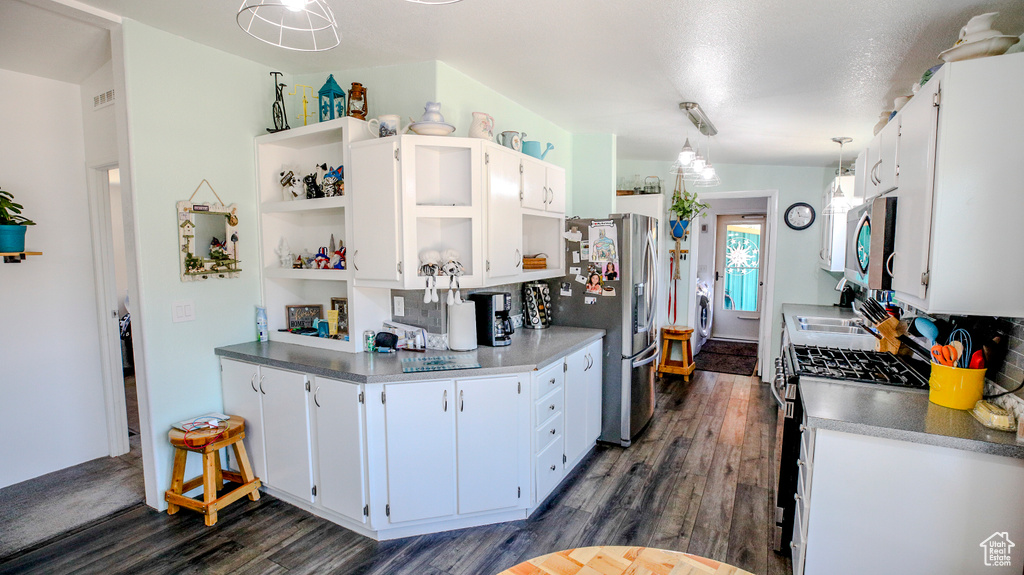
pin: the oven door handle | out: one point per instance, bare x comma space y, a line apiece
780, 376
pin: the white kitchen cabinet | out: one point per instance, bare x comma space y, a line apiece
420, 429
919, 124
376, 255
488, 420
286, 432
549, 428
860, 176
887, 170
543, 186
972, 210
595, 389
240, 384
832, 255
413, 194
340, 447
504, 219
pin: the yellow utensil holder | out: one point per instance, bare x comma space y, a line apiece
955, 387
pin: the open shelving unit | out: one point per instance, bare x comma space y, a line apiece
16, 257
307, 225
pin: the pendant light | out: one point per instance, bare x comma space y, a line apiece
708, 175
686, 155
302, 25
839, 203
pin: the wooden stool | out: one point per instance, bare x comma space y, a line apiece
682, 335
209, 443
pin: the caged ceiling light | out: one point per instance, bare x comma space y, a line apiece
302, 25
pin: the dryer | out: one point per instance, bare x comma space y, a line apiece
704, 311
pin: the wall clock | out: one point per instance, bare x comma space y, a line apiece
800, 216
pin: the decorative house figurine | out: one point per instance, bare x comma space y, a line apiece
332, 100
357, 103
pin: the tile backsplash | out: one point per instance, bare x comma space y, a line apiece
433, 317
1012, 372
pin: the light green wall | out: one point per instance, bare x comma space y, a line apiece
193, 113
594, 175
798, 279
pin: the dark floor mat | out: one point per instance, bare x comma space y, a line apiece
730, 347
722, 356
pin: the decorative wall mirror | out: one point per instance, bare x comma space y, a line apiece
208, 239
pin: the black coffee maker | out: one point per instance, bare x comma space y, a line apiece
493, 318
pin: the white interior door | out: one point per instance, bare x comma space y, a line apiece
739, 276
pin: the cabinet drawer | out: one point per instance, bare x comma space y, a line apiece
550, 431
807, 445
549, 469
549, 405
549, 379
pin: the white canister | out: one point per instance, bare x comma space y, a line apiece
462, 326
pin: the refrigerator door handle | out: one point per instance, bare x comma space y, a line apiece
652, 280
641, 362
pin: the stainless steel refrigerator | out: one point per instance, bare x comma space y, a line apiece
622, 301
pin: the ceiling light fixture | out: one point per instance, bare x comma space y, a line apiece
698, 117
302, 25
691, 164
839, 203
686, 155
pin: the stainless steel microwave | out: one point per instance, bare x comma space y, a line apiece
870, 237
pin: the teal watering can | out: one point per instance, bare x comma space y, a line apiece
532, 148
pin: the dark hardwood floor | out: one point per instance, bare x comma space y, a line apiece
699, 480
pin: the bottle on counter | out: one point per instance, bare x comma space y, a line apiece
262, 334
368, 337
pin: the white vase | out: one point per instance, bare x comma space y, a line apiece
482, 126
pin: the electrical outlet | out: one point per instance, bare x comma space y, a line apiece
517, 321
183, 310
702, 269
399, 306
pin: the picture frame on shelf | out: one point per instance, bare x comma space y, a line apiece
303, 316
341, 304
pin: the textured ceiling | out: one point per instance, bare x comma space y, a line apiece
779, 78
43, 43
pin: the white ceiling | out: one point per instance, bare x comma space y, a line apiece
779, 78
47, 44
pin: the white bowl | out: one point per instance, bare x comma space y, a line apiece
432, 128
993, 46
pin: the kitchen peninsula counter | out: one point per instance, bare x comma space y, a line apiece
530, 350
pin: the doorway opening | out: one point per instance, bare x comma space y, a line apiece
732, 276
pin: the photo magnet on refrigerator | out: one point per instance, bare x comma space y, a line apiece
590, 300
575, 257
566, 289
575, 270
581, 278
584, 250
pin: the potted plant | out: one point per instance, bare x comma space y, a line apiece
684, 208
12, 224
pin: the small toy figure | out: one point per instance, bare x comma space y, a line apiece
313, 189
453, 268
321, 260
298, 263
218, 249
333, 182
284, 253
289, 185
430, 264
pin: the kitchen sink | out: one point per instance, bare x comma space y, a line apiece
825, 328
827, 321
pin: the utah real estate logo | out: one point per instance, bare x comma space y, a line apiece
997, 549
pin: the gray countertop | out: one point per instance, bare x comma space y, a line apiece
530, 350
791, 311
902, 415
876, 411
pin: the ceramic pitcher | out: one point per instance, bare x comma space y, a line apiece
482, 126
979, 28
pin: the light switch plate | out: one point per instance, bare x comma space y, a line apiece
702, 269
183, 310
399, 306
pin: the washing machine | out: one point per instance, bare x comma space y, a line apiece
702, 331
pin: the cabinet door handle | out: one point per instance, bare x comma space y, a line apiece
252, 382
462, 401
314, 396
551, 407
354, 264
552, 382
888, 263
399, 267
261, 386
553, 468
552, 431
519, 258
444, 400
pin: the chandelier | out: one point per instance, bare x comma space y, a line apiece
303, 25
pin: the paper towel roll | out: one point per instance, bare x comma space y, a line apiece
462, 326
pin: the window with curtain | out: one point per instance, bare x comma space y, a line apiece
742, 267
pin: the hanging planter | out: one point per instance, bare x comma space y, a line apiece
685, 206
12, 224
678, 228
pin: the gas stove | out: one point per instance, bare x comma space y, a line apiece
858, 366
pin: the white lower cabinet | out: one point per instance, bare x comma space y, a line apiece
487, 424
286, 432
340, 447
242, 397
397, 459
420, 430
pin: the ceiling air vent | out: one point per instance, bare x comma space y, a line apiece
103, 99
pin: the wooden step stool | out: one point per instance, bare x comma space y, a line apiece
209, 443
682, 335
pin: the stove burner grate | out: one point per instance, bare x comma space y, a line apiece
862, 366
